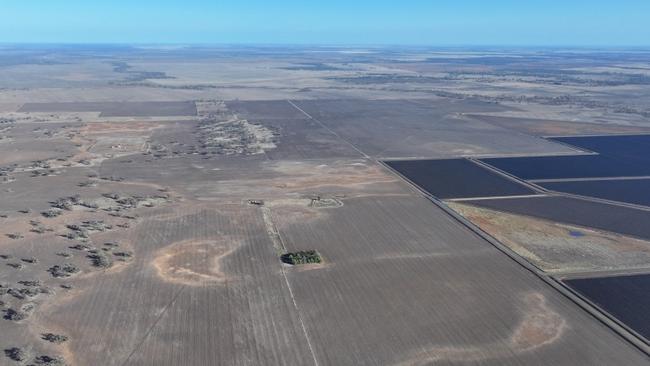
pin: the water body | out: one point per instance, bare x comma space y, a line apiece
564, 167
625, 297
607, 217
633, 147
457, 178
634, 191
618, 156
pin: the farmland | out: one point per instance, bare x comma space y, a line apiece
633, 191
457, 178
619, 295
605, 156
115, 109
290, 206
619, 219
431, 265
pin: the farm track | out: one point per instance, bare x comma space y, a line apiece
401, 273
403, 281
245, 320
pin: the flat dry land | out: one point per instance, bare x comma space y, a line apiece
540, 127
117, 109
402, 274
208, 276
421, 128
146, 197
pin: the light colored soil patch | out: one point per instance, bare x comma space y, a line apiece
294, 211
539, 326
103, 139
194, 262
294, 179
309, 267
120, 127
456, 148
334, 174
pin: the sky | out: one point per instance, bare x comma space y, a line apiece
332, 22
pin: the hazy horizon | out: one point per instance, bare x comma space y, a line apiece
298, 183
412, 23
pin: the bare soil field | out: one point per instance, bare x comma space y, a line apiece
237, 312
420, 128
148, 197
266, 110
401, 273
300, 137
23, 143
307, 139
114, 109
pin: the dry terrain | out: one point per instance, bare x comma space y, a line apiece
147, 197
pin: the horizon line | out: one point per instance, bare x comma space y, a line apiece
324, 44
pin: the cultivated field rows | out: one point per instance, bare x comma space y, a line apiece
401, 273
147, 197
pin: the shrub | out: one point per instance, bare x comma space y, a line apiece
301, 257
54, 338
16, 265
53, 212
30, 260
100, 260
13, 315
49, 361
63, 271
16, 354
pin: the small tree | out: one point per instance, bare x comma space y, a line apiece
301, 257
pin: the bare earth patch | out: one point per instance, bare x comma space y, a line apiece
194, 262
539, 326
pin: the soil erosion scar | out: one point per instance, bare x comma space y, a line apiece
195, 262
539, 326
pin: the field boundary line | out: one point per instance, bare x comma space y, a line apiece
274, 233
546, 192
595, 312
599, 134
328, 129
600, 273
609, 316
494, 197
508, 176
602, 201
484, 156
158, 318
589, 179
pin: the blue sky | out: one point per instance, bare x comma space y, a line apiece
459, 22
